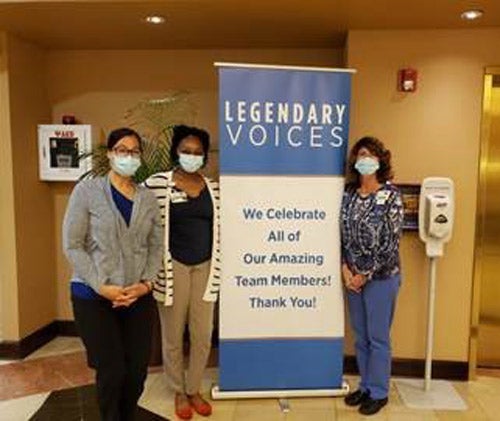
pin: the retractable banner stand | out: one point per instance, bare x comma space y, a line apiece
283, 142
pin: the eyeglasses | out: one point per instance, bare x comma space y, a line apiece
123, 152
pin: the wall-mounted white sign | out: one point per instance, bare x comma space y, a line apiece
59, 149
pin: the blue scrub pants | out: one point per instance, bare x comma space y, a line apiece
371, 313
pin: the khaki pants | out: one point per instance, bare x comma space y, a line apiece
190, 283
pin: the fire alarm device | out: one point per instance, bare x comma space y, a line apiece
407, 80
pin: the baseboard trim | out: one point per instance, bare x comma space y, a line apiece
66, 328
16, 350
408, 367
405, 367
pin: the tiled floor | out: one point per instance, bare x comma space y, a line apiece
44, 374
59, 346
26, 385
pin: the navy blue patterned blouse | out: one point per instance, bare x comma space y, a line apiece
371, 229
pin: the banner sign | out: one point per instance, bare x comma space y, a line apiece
283, 142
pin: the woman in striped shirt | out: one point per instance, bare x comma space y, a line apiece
188, 285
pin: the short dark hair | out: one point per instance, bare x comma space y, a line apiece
377, 148
118, 134
182, 131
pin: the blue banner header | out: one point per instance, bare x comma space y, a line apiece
283, 122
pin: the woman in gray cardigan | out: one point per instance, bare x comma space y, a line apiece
113, 237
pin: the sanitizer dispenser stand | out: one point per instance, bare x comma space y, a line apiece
435, 227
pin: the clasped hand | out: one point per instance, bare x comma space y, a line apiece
353, 282
123, 296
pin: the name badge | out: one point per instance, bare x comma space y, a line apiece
178, 196
382, 197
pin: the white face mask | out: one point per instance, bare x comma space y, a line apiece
367, 165
126, 166
190, 163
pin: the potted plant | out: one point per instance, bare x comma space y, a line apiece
154, 120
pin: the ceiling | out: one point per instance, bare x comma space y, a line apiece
95, 24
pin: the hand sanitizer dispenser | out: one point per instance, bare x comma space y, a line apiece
436, 214
435, 223
438, 218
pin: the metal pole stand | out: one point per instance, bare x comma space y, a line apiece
430, 322
437, 394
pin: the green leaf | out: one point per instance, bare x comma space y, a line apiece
154, 120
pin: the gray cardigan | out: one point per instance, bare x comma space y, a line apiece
98, 243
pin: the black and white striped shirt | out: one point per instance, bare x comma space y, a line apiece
161, 184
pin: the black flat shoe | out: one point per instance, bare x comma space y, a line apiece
372, 406
356, 398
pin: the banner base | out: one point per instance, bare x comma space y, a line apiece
218, 394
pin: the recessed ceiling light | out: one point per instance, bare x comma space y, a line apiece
472, 14
155, 19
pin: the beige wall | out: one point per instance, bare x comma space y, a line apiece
27, 256
9, 316
100, 86
434, 131
29, 106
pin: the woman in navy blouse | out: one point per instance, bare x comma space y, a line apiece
113, 238
371, 220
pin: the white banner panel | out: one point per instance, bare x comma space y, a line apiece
281, 258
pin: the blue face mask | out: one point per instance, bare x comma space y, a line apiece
367, 165
190, 163
126, 166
